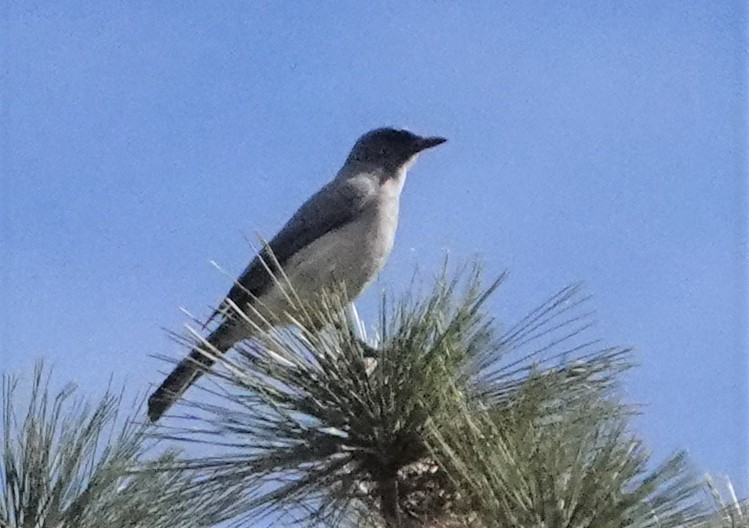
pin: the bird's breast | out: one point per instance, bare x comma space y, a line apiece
353, 254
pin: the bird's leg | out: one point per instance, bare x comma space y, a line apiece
368, 351
352, 318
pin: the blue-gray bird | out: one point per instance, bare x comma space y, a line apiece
342, 235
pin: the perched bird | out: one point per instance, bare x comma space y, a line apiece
342, 235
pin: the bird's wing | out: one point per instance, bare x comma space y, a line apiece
332, 207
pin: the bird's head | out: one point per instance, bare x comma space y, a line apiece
390, 149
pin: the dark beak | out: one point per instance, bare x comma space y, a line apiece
428, 142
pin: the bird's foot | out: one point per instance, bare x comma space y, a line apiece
368, 350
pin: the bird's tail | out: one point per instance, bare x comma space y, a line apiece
188, 371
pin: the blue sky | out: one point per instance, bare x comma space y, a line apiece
594, 141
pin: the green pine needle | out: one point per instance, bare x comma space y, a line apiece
65, 462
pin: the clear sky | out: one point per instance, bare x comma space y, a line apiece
594, 141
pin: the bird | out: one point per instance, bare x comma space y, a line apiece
342, 235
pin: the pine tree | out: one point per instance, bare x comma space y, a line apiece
455, 421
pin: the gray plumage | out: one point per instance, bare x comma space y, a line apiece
343, 234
